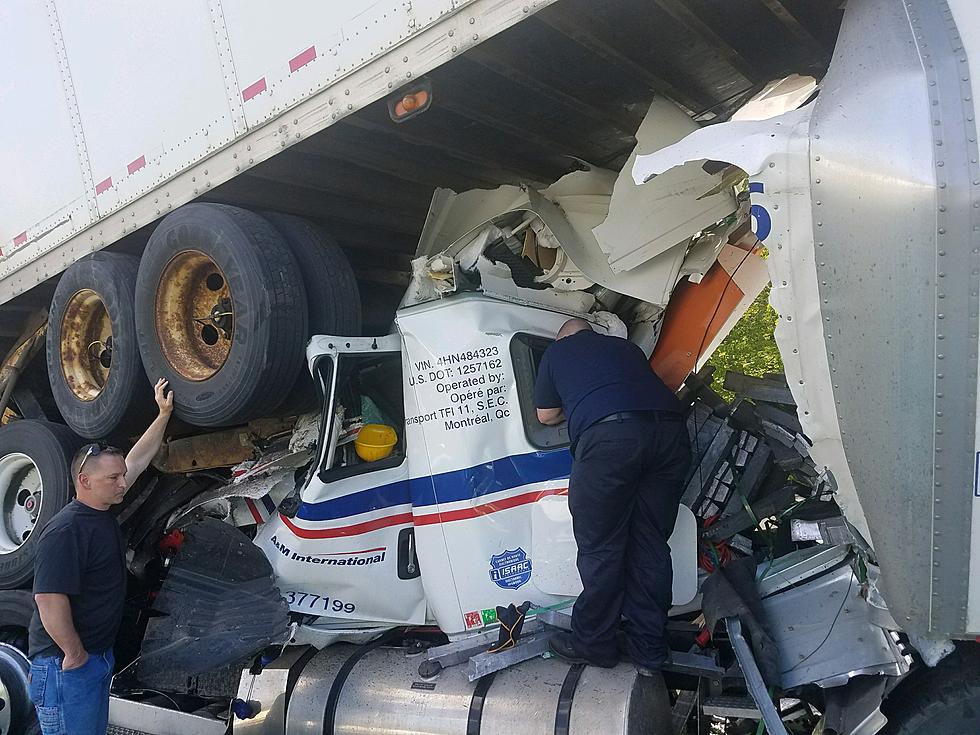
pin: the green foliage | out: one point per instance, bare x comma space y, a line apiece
750, 347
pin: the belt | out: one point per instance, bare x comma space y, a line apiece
639, 416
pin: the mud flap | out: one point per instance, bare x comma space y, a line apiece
219, 603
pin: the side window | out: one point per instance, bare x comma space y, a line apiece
369, 391
525, 352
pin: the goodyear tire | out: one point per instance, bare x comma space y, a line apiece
221, 313
34, 485
93, 356
332, 298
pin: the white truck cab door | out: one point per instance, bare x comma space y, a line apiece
349, 550
490, 483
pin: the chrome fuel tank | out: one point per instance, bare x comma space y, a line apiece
358, 690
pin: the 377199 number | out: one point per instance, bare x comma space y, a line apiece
318, 604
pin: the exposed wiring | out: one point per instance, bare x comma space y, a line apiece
713, 555
154, 691
850, 584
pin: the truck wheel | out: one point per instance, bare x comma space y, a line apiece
16, 609
333, 302
16, 711
93, 357
220, 313
945, 699
34, 485
332, 298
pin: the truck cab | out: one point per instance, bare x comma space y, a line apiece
469, 510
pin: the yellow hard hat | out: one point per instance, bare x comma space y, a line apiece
374, 442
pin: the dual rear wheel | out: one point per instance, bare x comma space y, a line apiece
221, 304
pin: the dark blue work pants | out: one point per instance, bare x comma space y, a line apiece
625, 488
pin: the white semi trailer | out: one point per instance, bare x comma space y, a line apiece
195, 192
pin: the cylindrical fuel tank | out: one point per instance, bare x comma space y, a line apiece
357, 690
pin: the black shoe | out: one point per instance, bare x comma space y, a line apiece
562, 646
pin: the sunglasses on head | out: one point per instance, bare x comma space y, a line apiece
95, 450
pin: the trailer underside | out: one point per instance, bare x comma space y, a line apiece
565, 88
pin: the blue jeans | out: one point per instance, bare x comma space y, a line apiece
74, 702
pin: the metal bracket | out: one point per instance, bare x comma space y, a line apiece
753, 678
534, 642
527, 648
457, 652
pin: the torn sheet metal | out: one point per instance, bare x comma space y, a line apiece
520, 252
222, 500
778, 97
797, 566
432, 278
600, 228
826, 634
775, 155
869, 197
272, 477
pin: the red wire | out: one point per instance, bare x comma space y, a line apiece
722, 551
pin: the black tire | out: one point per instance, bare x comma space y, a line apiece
936, 701
332, 298
266, 348
17, 706
51, 448
16, 609
124, 403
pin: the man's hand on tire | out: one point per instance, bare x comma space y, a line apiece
164, 398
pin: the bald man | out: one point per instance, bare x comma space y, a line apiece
630, 456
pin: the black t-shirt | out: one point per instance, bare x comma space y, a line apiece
594, 375
81, 554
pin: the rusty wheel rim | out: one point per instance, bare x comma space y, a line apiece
86, 345
194, 315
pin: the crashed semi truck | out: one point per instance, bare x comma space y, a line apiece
346, 233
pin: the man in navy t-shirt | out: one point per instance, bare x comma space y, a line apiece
80, 585
630, 456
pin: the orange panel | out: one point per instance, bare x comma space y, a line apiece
694, 315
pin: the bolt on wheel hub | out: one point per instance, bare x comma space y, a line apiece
21, 495
194, 315
86, 344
